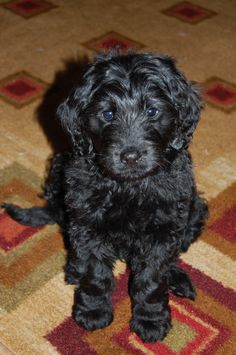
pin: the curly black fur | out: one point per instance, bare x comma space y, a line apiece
126, 189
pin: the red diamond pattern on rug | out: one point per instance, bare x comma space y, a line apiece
220, 93
188, 12
21, 88
28, 8
12, 233
226, 225
112, 40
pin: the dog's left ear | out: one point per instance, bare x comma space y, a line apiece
186, 99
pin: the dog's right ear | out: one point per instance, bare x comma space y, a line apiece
69, 114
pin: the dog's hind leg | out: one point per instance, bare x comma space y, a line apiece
180, 284
197, 217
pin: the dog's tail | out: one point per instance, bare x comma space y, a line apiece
34, 216
53, 211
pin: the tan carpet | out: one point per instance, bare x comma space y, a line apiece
43, 46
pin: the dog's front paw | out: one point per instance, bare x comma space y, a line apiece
92, 319
149, 330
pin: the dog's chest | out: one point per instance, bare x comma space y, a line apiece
131, 224
125, 219
132, 214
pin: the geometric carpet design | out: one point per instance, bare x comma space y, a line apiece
20, 89
112, 40
189, 12
220, 94
28, 8
44, 45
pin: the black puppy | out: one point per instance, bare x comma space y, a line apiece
126, 190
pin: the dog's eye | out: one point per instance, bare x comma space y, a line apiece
108, 115
152, 111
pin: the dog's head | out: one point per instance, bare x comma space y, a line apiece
130, 112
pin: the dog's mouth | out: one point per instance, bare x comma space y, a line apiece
135, 176
130, 173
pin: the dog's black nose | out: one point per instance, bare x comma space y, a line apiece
130, 156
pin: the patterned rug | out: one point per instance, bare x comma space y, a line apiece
44, 45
